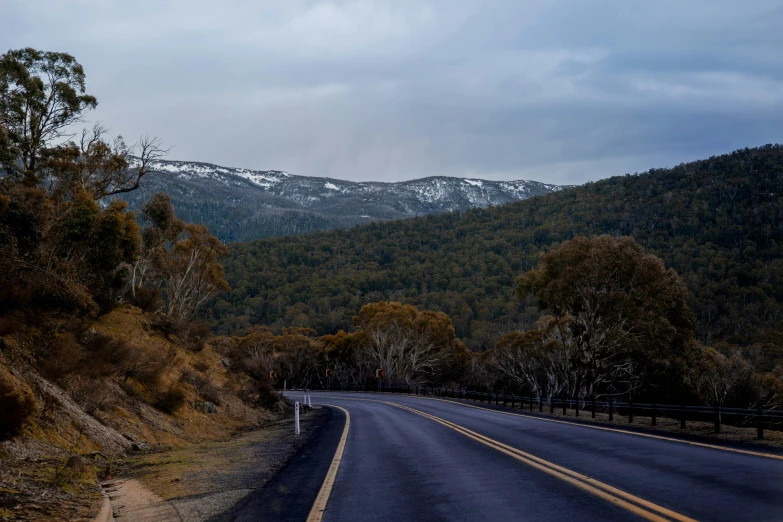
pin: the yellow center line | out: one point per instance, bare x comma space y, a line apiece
319, 506
616, 430
596, 487
637, 505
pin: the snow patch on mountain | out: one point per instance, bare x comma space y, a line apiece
244, 203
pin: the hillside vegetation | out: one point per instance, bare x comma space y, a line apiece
99, 355
718, 222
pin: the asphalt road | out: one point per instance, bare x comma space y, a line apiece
410, 458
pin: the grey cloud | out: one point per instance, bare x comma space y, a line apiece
558, 91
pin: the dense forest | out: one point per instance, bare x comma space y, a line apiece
718, 222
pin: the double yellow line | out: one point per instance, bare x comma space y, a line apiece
618, 497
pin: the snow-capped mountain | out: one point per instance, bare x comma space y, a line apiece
240, 204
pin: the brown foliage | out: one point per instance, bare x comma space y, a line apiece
265, 396
88, 355
147, 299
16, 407
171, 400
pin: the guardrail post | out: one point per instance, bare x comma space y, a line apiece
717, 419
592, 407
565, 405
504, 400
496, 398
682, 416
654, 421
540, 405
576, 406
759, 424
630, 412
611, 410
551, 405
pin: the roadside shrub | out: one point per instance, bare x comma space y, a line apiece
198, 333
104, 356
148, 370
16, 407
148, 300
91, 394
88, 355
149, 376
68, 472
266, 396
171, 400
59, 357
194, 379
165, 325
202, 365
209, 392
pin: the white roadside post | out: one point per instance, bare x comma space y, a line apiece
296, 417
310, 400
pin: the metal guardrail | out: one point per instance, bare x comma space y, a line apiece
769, 419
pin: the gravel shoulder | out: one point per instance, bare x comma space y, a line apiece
205, 480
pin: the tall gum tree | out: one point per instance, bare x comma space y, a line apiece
627, 319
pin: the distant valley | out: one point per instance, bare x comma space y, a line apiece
241, 204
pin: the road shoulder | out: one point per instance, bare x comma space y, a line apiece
200, 482
290, 494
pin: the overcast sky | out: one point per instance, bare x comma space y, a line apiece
557, 91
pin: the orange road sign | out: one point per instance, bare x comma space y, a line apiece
380, 374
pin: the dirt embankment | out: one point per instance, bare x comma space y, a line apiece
163, 393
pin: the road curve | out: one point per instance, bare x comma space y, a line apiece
411, 458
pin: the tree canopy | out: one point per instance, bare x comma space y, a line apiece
618, 313
718, 222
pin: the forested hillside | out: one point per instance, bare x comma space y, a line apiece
718, 222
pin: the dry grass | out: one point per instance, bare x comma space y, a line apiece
48, 489
220, 465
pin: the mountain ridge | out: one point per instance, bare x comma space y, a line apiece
240, 204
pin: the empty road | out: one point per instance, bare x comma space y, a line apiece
411, 458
